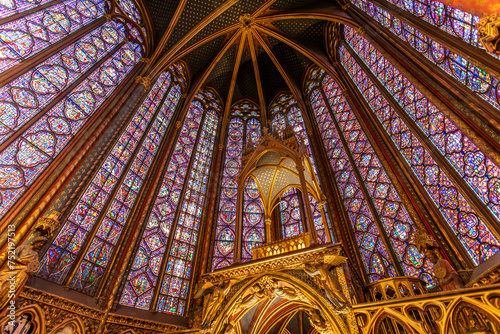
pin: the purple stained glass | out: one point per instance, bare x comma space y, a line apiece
253, 220
393, 215
471, 231
451, 20
226, 224
121, 205
173, 293
25, 37
474, 166
285, 106
475, 78
290, 214
29, 94
244, 128
145, 269
373, 252
30, 154
129, 7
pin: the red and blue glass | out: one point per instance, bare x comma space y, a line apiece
33, 151
370, 244
393, 215
226, 223
473, 165
471, 231
68, 244
26, 96
175, 285
25, 37
475, 78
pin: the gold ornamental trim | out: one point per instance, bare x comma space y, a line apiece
284, 261
39, 297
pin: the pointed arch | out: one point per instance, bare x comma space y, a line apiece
32, 317
231, 313
76, 324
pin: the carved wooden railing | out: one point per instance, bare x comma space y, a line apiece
283, 246
467, 311
395, 287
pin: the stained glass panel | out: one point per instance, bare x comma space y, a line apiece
175, 285
254, 230
475, 78
290, 214
30, 154
24, 37
373, 252
393, 215
146, 268
85, 214
451, 20
30, 93
283, 107
471, 231
226, 224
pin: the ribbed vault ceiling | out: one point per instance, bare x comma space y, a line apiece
250, 48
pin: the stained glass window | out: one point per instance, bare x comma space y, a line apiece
52, 99
452, 20
147, 264
26, 96
138, 144
290, 213
175, 285
284, 110
32, 151
22, 38
244, 128
472, 164
371, 246
475, 78
225, 234
129, 7
253, 220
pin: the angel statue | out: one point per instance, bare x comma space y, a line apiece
214, 296
23, 264
328, 282
317, 322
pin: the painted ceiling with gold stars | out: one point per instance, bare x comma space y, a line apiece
243, 48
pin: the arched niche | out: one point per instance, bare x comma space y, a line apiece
272, 297
70, 326
28, 320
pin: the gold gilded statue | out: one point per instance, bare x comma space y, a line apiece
23, 262
21, 266
445, 274
328, 282
214, 296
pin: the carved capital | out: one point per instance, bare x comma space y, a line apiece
178, 124
144, 60
145, 81
489, 32
107, 17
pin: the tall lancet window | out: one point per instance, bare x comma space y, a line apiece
285, 111
369, 196
451, 20
161, 269
442, 138
86, 243
475, 78
244, 129
76, 60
